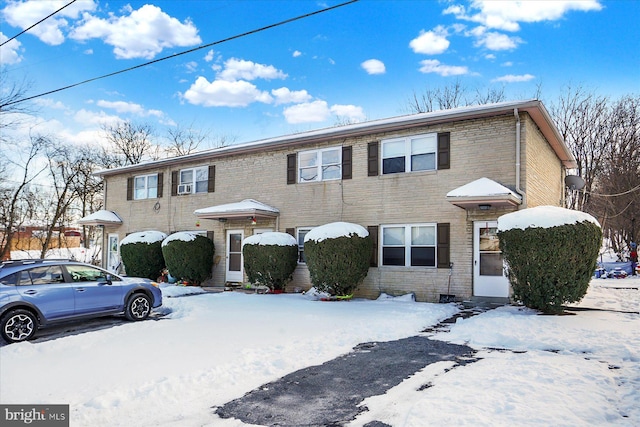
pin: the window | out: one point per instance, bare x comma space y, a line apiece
145, 187
320, 165
84, 273
411, 154
41, 276
411, 245
193, 180
302, 232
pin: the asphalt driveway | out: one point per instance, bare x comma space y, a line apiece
329, 394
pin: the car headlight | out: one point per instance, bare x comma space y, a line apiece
155, 284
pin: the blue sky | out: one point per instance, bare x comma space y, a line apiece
361, 61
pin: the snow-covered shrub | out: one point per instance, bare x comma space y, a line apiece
550, 253
188, 256
338, 256
270, 259
141, 254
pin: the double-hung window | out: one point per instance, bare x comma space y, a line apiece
410, 154
193, 180
145, 187
412, 245
320, 165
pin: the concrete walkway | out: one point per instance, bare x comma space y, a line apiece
330, 394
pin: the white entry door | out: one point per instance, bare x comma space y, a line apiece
489, 279
113, 256
234, 256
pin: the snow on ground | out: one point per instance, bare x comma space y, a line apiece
580, 369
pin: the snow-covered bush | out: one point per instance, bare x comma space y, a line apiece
141, 254
188, 256
270, 259
338, 256
550, 253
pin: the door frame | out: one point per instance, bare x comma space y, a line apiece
113, 257
487, 285
233, 276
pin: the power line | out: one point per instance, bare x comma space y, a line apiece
287, 21
43, 19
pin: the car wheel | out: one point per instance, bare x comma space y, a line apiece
138, 307
18, 325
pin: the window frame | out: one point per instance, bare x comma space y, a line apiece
194, 181
319, 166
407, 244
408, 152
146, 188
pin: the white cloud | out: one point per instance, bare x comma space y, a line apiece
308, 112
92, 118
507, 64
430, 42
123, 107
373, 66
209, 56
236, 69
191, 66
10, 52
223, 93
285, 96
49, 103
142, 34
495, 41
296, 53
351, 112
507, 15
435, 66
24, 14
511, 78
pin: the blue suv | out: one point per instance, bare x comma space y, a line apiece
38, 293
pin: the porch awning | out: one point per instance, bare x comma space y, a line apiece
483, 193
245, 208
101, 217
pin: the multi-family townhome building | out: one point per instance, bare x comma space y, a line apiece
429, 187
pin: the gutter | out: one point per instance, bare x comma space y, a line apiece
518, 143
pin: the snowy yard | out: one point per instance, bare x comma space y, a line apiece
581, 369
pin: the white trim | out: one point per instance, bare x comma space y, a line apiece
319, 166
233, 275
407, 244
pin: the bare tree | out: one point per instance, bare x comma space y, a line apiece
184, 141
14, 200
582, 119
132, 143
616, 196
452, 96
11, 109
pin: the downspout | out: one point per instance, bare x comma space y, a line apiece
518, 189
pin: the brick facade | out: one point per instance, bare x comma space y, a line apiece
479, 147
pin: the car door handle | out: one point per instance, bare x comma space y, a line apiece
80, 289
31, 292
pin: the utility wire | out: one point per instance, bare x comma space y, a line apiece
43, 19
237, 36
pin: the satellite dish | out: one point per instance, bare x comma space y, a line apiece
574, 182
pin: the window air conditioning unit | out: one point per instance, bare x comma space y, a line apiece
184, 189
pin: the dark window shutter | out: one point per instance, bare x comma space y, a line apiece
291, 231
346, 162
130, 188
174, 183
443, 245
160, 184
444, 156
211, 182
373, 233
372, 158
291, 168
210, 235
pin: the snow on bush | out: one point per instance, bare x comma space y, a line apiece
141, 254
188, 256
270, 259
551, 254
338, 256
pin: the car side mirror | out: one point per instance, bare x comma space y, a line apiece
107, 279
